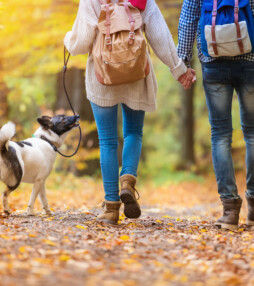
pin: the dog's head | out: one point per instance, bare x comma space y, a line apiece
59, 124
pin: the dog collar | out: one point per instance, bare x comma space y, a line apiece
50, 143
46, 139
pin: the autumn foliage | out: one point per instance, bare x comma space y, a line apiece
174, 242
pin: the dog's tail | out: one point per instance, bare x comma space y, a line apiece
6, 134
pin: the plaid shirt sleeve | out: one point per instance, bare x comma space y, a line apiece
252, 6
187, 29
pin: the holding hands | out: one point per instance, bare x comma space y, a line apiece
187, 79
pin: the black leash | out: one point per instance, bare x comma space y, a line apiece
65, 90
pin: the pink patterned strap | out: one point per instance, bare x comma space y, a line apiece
131, 21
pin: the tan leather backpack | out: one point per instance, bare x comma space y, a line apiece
119, 52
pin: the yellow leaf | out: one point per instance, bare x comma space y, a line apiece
22, 249
49, 242
32, 235
203, 230
158, 263
64, 257
129, 261
237, 256
49, 219
184, 279
81, 226
241, 229
159, 221
178, 264
124, 237
167, 216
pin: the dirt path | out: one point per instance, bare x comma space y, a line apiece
176, 245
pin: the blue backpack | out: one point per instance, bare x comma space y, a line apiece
227, 28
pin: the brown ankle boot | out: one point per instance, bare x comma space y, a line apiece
127, 196
231, 210
111, 212
250, 217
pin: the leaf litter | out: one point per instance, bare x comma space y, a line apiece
173, 243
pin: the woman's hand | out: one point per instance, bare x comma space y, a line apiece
187, 79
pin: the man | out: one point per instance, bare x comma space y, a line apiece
221, 76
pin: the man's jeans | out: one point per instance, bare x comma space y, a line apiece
106, 121
220, 79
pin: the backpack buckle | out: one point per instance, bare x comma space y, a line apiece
108, 41
236, 9
132, 36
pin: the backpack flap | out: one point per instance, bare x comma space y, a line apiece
226, 39
119, 20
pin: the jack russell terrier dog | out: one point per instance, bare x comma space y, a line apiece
31, 160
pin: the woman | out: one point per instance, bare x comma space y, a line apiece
135, 98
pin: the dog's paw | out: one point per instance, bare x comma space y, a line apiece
30, 212
47, 212
7, 212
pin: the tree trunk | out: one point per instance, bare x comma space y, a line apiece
3, 102
3, 97
187, 127
75, 85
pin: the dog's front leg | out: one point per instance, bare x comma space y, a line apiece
5, 201
44, 201
36, 189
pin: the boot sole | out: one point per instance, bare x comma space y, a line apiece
250, 222
227, 226
131, 206
107, 221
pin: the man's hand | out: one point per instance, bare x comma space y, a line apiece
188, 78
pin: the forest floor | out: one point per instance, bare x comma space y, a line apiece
173, 243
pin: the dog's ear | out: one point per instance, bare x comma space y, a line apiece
45, 122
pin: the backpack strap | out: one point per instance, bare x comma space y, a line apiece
107, 24
106, 2
238, 30
131, 21
214, 16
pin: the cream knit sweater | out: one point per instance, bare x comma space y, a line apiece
140, 95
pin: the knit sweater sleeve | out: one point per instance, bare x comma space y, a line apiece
80, 39
161, 41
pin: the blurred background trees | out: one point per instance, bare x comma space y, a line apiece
176, 136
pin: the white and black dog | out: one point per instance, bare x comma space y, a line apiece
31, 160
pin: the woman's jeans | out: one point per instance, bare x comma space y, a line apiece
220, 79
106, 121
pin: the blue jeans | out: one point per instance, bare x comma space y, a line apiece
220, 79
106, 121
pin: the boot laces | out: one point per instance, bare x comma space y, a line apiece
137, 194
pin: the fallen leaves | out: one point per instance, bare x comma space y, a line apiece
174, 243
